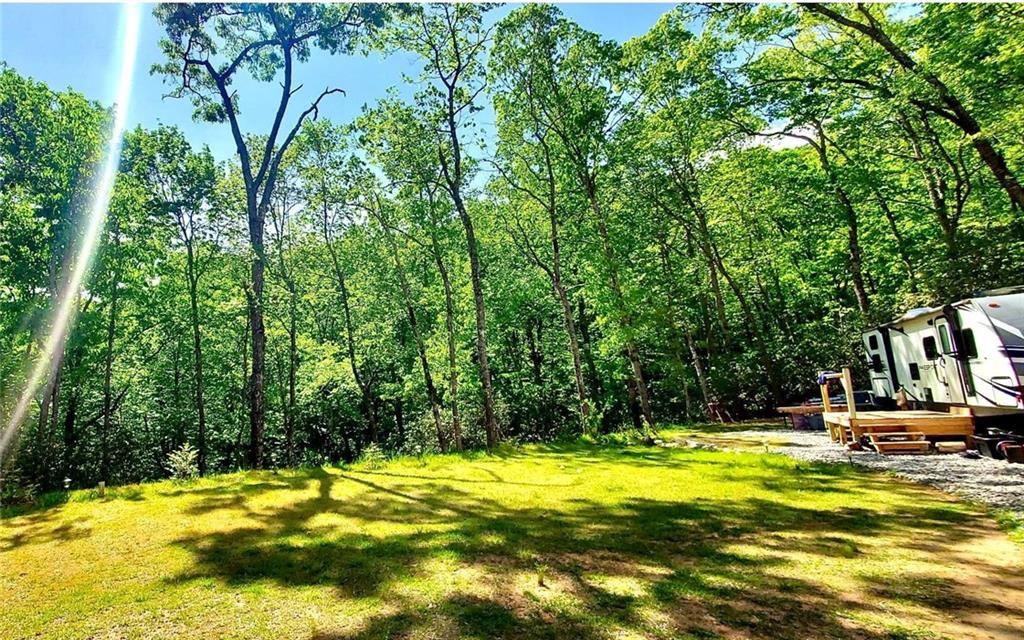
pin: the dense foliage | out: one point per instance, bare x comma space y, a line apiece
687, 225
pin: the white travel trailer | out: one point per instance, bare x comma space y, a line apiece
968, 353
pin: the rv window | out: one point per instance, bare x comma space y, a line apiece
930, 352
970, 348
872, 342
876, 363
944, 339
915, 372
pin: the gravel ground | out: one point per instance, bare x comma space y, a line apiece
992, 482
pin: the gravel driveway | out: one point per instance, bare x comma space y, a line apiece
993, 482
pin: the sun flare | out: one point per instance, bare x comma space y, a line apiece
67, 303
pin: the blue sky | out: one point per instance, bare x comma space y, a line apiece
76, 46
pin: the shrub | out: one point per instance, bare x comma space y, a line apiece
16, 494
311, 459
372, 456
183, 463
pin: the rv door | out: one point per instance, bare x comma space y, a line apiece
877, 355
947, 368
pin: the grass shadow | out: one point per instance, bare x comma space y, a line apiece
684, 543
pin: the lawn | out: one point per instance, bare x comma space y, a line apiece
579, 541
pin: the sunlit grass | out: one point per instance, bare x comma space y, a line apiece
549, 541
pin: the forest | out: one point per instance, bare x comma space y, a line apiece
556, 236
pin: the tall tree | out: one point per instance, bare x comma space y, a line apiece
571, 74
942, 101
206, 47
452, 39
181, 186
527, 162
325, 167
403, 146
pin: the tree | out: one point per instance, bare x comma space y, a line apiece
181, 188
571, 74
325, 166
51, 143
943, 102
403, 146
206, 46
697, 218
379, 210
451, 40
526, 161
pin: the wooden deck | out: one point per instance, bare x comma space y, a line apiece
928, 424
889, 431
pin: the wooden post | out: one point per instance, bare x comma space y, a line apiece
824, 397
851, 405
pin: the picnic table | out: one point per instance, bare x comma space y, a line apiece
788, 413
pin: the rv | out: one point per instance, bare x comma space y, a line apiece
969, 354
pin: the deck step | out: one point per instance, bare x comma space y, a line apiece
897, 435
899, 442
886, 450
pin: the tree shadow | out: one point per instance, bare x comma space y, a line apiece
494, 479
681, 577
41, 531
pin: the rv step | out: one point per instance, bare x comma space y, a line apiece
951, 447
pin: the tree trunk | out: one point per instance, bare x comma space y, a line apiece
453, 176
632, 406
684, 327
293, 365
243, 387
698, 367
453, 364
428, 379
257, 408
69, 433
490, 421
596, 388
400, 421
536, 357
689, 187
197, 354
935, 184
108, 365
555, 274
759, 335
365, 388
625, 320
574, 350
61, 251
51, 397
846, 205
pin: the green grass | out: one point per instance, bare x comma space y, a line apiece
571, 540
1012, 524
